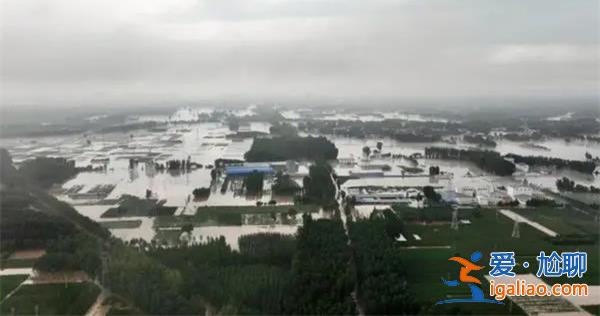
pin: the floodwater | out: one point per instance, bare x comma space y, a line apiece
145, 231
575, 150
379, 116
203, 143
558, 148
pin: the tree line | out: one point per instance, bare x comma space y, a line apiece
253, 183
581, 166
568, 185
46, 171
489, 161
322, 276
253, 280
75, 252
22, 227
30, 217
291, 148
381, 280
318, 186
284, 184
479, 140
400, 130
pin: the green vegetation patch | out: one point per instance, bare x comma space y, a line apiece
120, 306
78, 252
23, 228
489, 161
564, 221
253, 183
322, 273
318, 185
380, 274
271, 248
122, 224
17, 263
51, 299
430, 213
10, 282
577, 165
592, 309
132, 206
229, 215
252, 281
426, 262
168, 236
284, 185
286, 148
48, 171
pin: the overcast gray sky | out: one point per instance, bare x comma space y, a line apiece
116, 51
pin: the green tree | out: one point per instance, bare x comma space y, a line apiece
318, 185
233, 123
366, 151
283, 129
286, 148
284, 184
430, 194
253, 183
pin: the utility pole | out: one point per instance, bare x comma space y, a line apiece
454, 224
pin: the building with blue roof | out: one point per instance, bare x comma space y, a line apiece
248, 168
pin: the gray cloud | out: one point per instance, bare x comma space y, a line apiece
138, 50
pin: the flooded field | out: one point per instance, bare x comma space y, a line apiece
92, 193
464, 172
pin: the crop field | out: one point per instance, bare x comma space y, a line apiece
426, 260
563, 220
17, 263
10, 282
124, 224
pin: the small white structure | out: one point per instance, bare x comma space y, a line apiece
382, 195
346, 161
521, 191
366, 173
479, 193
483, 200
467, 190
412, 193
452, 196
498, 196
364, 211
521, 166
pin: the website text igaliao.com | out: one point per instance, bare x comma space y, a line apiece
522, 288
